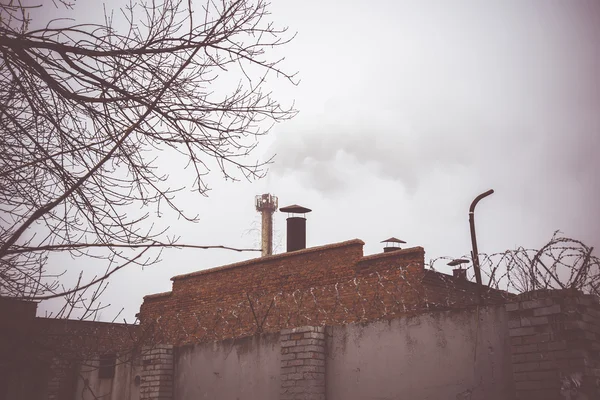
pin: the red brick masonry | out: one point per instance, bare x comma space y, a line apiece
333, 284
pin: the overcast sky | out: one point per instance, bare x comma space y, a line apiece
408, 110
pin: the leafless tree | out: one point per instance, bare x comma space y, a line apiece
92, 116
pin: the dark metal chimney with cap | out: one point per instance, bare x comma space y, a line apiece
296, 226
392, 244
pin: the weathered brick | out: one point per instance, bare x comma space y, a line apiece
292, 363
305, 342
314, 362
314, 335
533, 321
522, 331
553, 309
528, 366
514, 323
538, 303
287, 382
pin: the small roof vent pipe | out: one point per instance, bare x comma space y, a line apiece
475, 252
392, 244
296, 226
459, 272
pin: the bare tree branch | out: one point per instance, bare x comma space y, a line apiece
95, 116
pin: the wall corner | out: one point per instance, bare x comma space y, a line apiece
555, 345
157, 373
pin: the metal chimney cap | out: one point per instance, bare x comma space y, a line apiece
393, 240
458, 262
296, 209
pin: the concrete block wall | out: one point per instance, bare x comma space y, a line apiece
555, 344
303, 354
157, 373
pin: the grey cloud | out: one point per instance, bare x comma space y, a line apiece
329, 152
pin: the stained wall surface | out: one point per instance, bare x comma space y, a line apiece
444, 355
123, 386
240, 369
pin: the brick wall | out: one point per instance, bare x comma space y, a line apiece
442, 291
555, 344
327, 285
303, 354
315, 286
157, 373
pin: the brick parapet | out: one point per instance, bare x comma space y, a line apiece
237, 300
157, 373
555, 343
303, 355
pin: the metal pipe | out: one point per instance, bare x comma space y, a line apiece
475, 254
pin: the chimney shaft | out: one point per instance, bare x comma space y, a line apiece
266, 204
296, 227
460, 273
296, 233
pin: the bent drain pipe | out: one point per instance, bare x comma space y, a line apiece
475, 253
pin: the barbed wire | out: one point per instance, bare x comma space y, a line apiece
563, 263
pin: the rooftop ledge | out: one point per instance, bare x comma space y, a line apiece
353, 242
156, 295
390, 254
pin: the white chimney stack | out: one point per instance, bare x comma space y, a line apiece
266, 204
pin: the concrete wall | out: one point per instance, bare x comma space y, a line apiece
122, 387
442, 355
240, 369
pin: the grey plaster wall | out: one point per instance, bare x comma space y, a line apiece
122, 386
437, 356
241, 369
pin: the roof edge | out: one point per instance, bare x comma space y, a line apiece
156, 295
417, 249
352, 242
466, 282
83, 322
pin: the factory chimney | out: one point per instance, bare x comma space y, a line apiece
266, 204
296, 226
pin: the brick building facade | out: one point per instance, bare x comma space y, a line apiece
39, 357
327, 285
